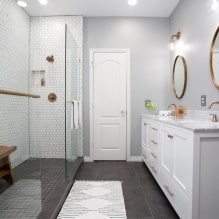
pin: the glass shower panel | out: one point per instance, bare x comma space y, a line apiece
73, 102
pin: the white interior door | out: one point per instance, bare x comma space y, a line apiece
109, 105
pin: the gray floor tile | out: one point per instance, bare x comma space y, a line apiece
161, 209
50, 173
140, 190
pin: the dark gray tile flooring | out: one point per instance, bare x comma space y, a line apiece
143, 197
51, 176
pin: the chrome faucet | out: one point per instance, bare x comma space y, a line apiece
212, 103
174, 108
214, 119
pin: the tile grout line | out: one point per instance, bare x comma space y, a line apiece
144, 194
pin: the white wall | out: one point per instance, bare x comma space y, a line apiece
198, 23
147, 39
14, 66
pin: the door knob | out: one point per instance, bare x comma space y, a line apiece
123, 113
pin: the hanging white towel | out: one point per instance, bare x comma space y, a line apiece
72, 115
76, 115
80, 114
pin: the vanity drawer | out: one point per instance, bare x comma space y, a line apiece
154, 168
154, 144
179, 201
154, 129
146, 156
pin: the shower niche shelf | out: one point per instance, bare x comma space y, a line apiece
38, 78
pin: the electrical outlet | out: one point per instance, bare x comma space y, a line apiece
146, 102
203, 100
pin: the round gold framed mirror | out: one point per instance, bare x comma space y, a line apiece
214, 59
179, 77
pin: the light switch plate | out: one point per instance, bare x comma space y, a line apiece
146, 102
203, 100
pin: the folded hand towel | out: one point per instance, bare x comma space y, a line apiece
165, 113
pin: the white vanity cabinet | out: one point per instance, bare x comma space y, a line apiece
184, 163
176, 168
151, 147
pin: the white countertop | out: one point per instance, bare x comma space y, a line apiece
193, 125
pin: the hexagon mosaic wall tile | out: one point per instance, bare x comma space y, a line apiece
37, 126
14, 67
47, 37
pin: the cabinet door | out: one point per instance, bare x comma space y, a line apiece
144, 133
176, 158
166, 157
182, 161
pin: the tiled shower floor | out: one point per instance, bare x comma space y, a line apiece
36, 182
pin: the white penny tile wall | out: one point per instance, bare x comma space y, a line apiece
14, 67
35, 126
47, 119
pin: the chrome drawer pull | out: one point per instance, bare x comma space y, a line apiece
145, 156
153, 155
154, 170
154, 129
145, 124
154, 142
168, 190
169, 136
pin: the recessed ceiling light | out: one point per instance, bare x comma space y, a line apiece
132, 2
43, 2
22, 4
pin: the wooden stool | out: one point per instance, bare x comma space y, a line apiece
5, 163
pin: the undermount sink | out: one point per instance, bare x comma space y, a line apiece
166, 118
198, 124
190, 123
187, 121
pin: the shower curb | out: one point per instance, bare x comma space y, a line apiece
53, 215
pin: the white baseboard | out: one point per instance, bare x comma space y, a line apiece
88, 159
130, 159
135, 158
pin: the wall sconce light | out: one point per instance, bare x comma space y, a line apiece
177, 36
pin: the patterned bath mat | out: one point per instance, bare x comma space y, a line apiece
94, 200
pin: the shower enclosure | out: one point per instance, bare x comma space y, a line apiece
48, 147
73, 96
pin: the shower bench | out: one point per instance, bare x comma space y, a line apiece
5, 163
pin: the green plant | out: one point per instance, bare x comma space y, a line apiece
153, 107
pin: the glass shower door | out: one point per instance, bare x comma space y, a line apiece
73, 102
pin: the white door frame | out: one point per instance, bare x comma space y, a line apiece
128, 99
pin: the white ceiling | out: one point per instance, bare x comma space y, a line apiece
102, 8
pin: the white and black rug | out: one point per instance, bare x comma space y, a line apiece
94, 200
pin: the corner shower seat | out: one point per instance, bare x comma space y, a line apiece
5, 163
